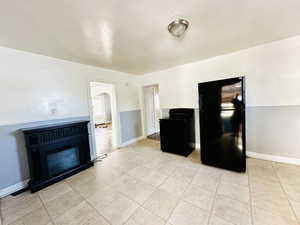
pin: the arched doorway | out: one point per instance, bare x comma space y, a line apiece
104, 119
103, 123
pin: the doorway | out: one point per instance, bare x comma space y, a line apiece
152, 111
103, 114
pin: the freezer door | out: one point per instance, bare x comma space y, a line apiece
222, 95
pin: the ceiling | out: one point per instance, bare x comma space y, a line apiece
131, 36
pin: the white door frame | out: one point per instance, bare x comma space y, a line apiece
116, 133
145, 110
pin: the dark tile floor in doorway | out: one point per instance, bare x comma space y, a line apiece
155, 136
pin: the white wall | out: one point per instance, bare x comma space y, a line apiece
102, 108
107, 104
99, 109
272, 74
35, 87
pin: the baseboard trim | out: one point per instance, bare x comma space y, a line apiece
269, 157
13, 188
274, 158
124, 144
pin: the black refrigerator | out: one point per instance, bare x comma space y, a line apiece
222, 123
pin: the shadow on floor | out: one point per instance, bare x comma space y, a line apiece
155, 136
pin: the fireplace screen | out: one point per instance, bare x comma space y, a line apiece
63, 160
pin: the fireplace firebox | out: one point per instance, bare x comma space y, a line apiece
56, 152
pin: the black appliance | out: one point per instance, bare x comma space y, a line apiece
177, 133
222, 123
56, 152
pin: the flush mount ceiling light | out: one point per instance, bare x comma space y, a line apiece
178, 27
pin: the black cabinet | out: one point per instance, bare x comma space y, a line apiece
177, 133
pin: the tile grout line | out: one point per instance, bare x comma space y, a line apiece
131, 215
231, 198
285, 198
86, 201
250, 197
236, 199
142, 205
122, 194
180, 197
139, 206
44, 205
214, 200
290, 204
196, 206
27, 213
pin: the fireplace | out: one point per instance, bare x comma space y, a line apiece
56, 152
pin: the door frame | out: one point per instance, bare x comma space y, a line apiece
116, 132
145, 109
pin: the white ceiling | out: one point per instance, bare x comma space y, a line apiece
131, 36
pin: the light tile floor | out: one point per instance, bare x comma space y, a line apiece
140, 185
103, 138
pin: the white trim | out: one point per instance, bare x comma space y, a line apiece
116, 131
13, 188
268, 157
143, 108
45, 122
130, 110
274, 158
124, 144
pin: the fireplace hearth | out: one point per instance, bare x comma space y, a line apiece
56, 152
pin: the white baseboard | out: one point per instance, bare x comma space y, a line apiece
13, 188
268, 157
273, 158
124, 144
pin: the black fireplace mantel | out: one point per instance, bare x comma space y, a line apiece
56, 152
